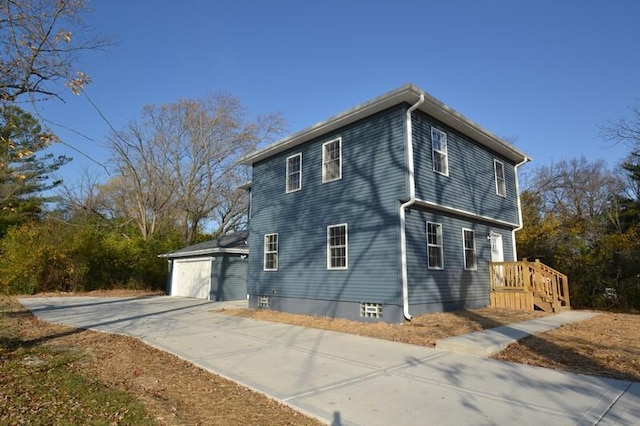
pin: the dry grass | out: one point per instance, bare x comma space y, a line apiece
173, 391
607, 345
423, 330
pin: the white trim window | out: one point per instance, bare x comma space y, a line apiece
435, 258
271, 252
501, 183
332, 160
469, 245
294, 172
439, 151
337, 246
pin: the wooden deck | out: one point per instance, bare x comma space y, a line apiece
528, 286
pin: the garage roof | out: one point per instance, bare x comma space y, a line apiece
233, 243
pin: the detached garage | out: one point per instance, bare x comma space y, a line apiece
212, 270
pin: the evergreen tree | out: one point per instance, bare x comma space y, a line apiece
24, 170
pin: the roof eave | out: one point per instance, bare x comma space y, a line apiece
407, 93
335, 122
453, 118
205, 252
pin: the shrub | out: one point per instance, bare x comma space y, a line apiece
54, 256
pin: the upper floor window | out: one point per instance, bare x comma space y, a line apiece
294, 172
332, 160
271, 252
469, 243
435, 259
501, 185
439, 149
337, 246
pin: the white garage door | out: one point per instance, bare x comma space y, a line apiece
191, 278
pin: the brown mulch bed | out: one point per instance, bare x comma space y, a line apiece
174, 391
423, 330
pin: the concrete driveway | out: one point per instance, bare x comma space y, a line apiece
351, 380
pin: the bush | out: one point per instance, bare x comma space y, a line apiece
53, 256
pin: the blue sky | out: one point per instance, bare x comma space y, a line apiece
546, 72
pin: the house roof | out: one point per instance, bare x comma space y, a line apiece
232, 243
409, 94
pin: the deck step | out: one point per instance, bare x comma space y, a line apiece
528, 285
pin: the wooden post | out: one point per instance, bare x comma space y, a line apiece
525, 263
491, 283
565, 288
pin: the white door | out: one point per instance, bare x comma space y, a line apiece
191, 278
497, 255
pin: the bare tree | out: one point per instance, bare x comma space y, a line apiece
40, 41
579, 193
143, 189
180, 160
625, 130
81, 198
576, 187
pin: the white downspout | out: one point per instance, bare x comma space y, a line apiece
412, 199
520, 224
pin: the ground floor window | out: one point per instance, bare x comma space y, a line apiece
271, 252
337, 246
435, 258
469, 243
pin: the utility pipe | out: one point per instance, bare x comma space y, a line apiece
412, 199
520, 224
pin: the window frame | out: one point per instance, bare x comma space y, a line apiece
442, 140
270, 251
438, 245
345, 246
289, 174
466, 249
326, 161
501, 181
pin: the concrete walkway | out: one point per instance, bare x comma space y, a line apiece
351, 380
491, 341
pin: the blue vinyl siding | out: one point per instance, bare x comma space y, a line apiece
229, 277
365, 198
470, 185
453, 284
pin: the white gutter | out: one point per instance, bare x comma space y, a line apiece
463, 213
203, 252
520, 224
412, 199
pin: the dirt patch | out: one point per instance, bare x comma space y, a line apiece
174, 391
606, 345
423, 330
100, 293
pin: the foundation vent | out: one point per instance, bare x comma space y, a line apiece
371, 310
264, 301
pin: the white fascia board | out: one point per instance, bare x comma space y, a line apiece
407, 93
205, 252
459, 122
464, 213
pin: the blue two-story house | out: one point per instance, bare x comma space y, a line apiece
390, 209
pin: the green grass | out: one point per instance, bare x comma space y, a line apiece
39, 387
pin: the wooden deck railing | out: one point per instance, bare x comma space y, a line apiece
524, 285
